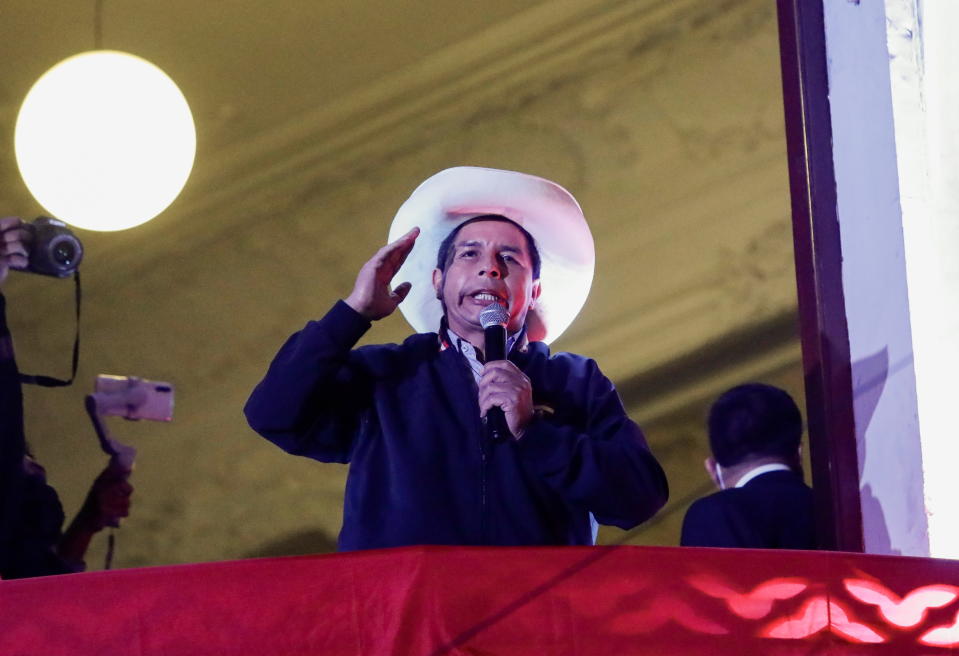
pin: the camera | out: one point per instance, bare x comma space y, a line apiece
55, 250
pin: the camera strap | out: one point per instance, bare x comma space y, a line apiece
50, 381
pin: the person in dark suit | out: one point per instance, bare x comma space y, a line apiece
762, 502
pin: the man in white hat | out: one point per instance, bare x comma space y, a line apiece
411, 418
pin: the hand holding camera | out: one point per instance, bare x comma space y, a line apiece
45, 246
14, 245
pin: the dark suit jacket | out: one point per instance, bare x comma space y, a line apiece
772, 511
422, 467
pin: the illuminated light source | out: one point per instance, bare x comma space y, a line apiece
105, 140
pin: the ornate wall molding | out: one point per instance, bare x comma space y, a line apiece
501, 68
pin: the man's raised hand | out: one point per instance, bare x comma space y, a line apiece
371, 295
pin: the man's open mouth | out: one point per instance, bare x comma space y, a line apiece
487, 296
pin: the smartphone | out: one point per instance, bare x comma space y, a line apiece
134, 398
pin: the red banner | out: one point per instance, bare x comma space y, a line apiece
444, 600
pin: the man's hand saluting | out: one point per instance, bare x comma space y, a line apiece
371, 295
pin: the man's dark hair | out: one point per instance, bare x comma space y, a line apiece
445, 253
754, 420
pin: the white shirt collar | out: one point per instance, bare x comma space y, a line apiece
469, 351
759, 471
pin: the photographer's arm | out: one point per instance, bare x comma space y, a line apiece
12, 445
13, 254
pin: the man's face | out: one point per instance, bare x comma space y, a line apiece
490, 263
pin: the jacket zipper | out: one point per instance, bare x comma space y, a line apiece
484, 453
484, 465
484, 444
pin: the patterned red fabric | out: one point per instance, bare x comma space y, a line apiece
444, 600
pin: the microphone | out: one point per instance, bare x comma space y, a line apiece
494, 318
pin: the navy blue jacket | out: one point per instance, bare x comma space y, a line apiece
772, 511
422, 470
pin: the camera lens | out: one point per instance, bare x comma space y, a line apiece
64, 252
55, 250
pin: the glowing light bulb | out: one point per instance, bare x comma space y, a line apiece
105, 140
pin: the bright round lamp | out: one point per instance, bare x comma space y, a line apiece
105, 140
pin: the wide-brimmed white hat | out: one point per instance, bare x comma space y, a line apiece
546, 210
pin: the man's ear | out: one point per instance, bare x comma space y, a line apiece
795, 463
712, 468
535, 292
438, 283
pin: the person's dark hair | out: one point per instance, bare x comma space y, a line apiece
754, 420
445, 253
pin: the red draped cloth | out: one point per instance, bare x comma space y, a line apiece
445, 600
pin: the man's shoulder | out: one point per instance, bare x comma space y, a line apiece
756, 495
411, 340
779, 487
418, 346
539, 351
708, 521
563, 374
712, 502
